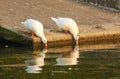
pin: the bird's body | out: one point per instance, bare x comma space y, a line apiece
33, 25
67, 24
36, 27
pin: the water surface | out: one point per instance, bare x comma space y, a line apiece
77, 62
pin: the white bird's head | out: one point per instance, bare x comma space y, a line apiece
44, 40
76, 38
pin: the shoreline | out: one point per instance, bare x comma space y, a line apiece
56, 38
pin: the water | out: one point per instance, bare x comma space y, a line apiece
77, 62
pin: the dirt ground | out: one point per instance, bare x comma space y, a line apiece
88, 18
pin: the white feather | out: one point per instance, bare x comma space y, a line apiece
36, 27
67, 24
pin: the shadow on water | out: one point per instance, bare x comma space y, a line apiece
71, 62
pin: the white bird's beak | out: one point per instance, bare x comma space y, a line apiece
76, 42
45, 45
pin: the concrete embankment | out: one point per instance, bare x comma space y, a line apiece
56, 39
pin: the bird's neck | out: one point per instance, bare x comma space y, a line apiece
43, 38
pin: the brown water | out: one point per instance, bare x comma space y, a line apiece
77, 62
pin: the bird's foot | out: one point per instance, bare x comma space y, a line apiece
33, 35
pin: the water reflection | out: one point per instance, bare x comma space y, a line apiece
34, 65
92, 64
69, 58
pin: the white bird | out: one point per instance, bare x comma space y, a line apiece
37, 28
68, 25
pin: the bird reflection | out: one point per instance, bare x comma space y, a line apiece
35, 63
69, 58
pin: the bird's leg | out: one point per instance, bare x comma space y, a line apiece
33, 35
69, 32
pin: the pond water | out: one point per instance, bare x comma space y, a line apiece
71, 62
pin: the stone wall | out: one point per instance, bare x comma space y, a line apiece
115, 4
